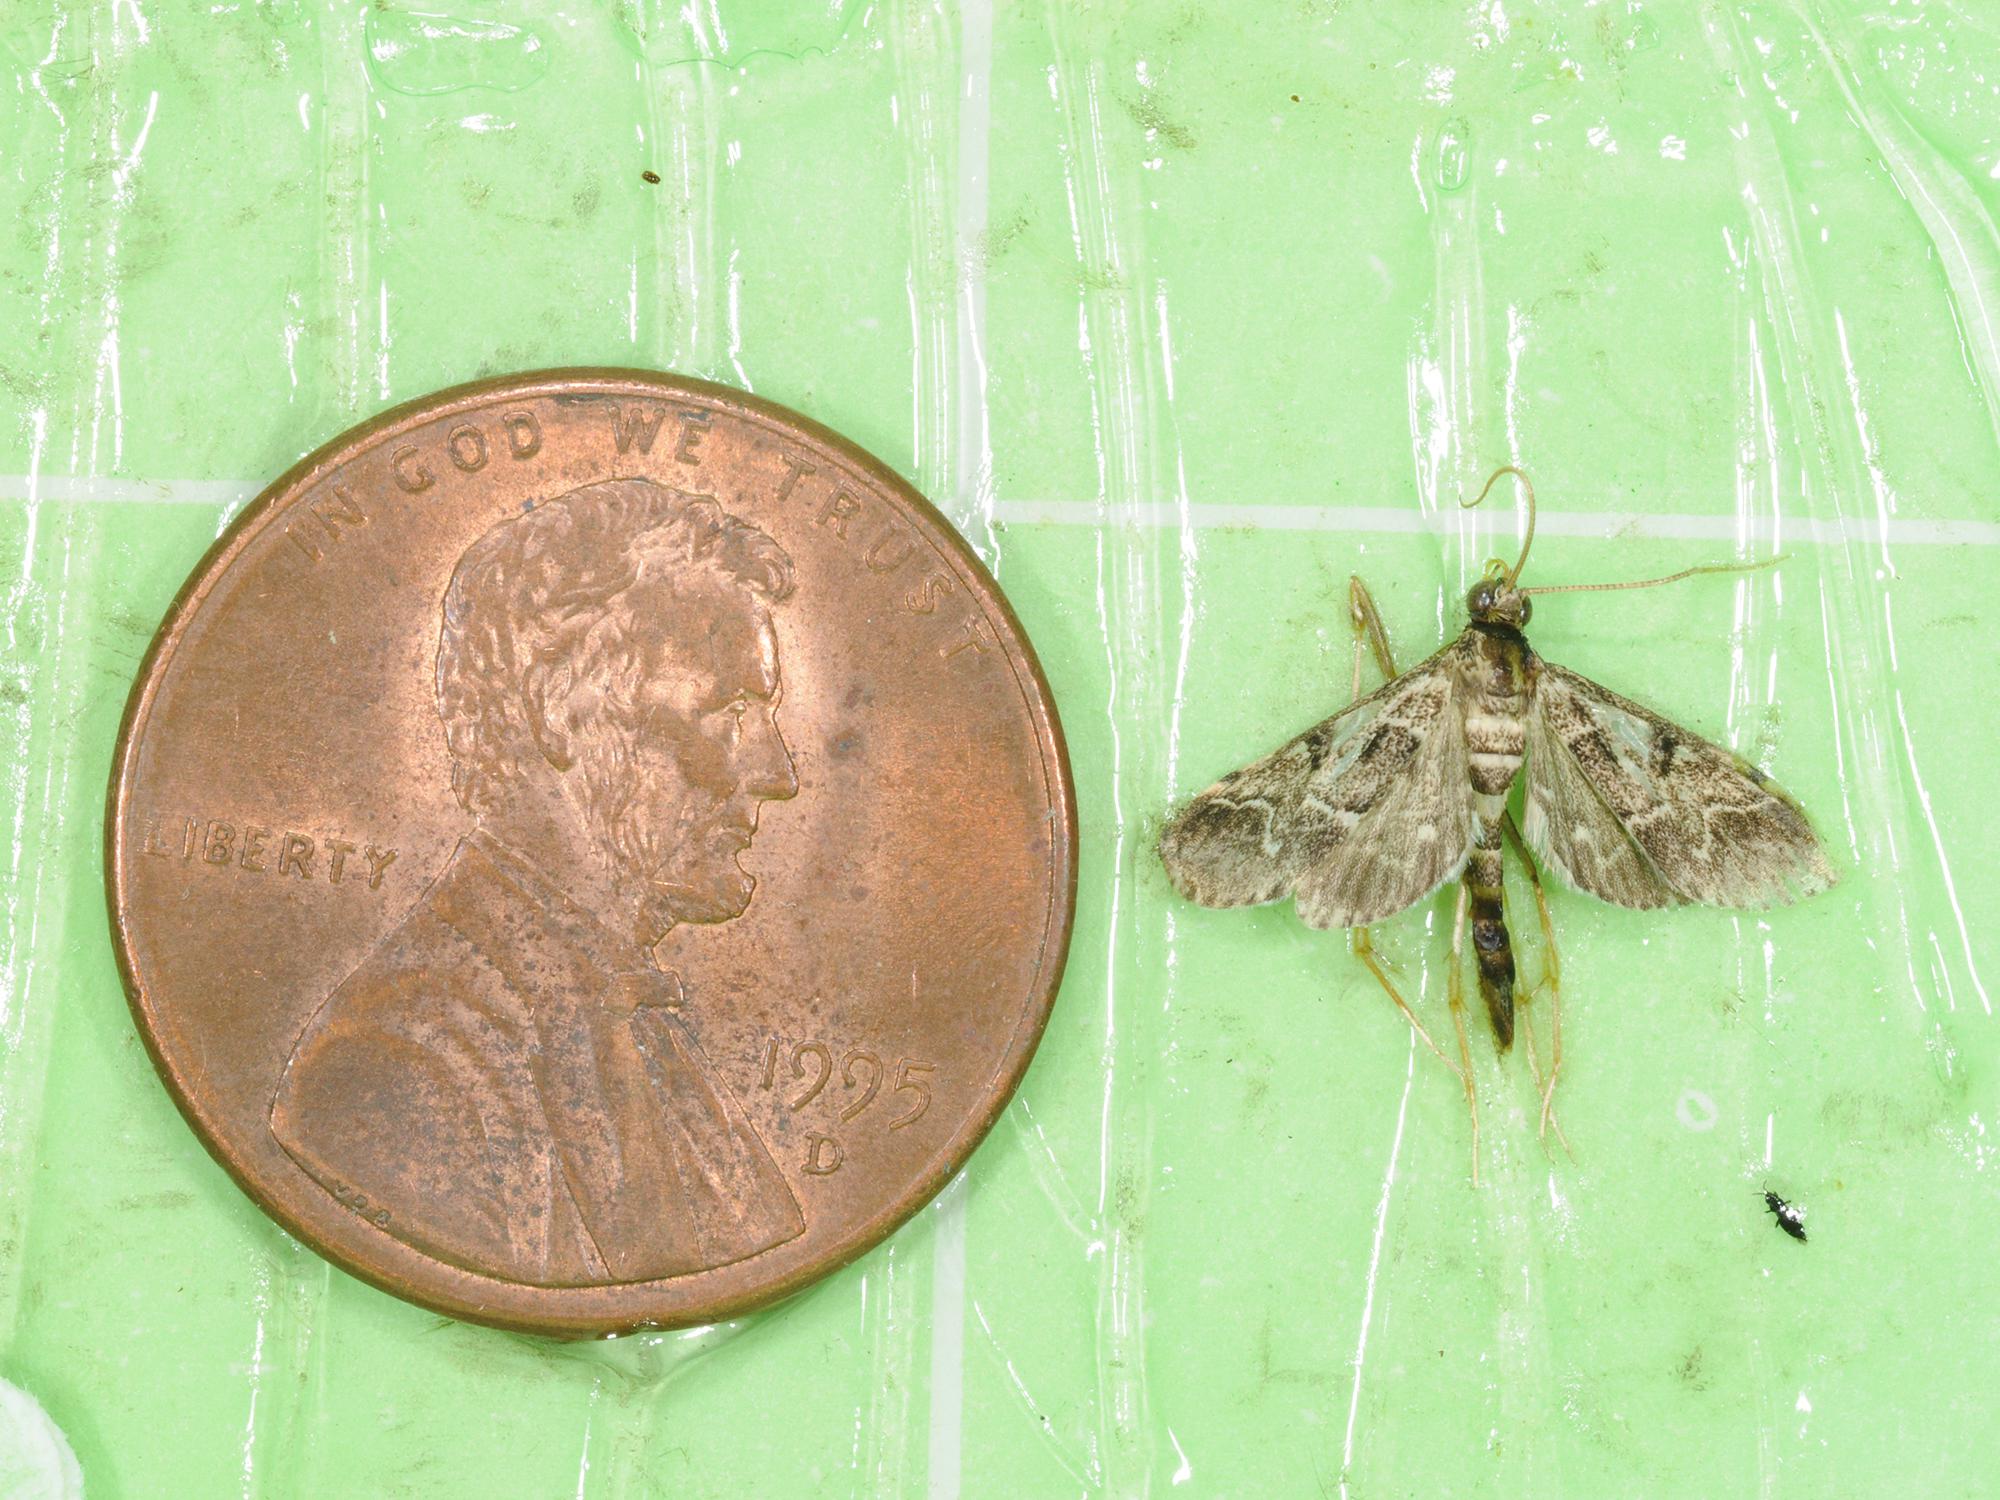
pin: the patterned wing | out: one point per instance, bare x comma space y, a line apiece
1639, 811
1361, 815
1572, 830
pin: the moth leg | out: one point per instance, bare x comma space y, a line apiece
1360, 646
1368, 622
1552, 977
1369, 634
1364, 949
1455, 990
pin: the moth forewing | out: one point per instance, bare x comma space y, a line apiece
1413, 835
1699, 823
1243, 840
1330, 814
1572, 830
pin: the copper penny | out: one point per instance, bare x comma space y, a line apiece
591, 850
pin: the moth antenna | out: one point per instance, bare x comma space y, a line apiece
1647, 583
1514, 575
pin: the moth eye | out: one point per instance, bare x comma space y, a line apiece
1527, 610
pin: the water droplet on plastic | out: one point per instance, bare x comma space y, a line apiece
419, 52
669, 33
1452, 155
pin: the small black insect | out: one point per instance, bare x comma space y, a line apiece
649, 175
1790, 1219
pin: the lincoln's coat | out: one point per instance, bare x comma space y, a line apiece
505, 1085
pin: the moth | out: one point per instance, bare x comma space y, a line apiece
1379, 806
1791, 1218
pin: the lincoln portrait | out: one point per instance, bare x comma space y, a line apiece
506, 1081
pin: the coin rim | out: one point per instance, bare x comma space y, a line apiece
926, 1183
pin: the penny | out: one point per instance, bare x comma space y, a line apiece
591, 850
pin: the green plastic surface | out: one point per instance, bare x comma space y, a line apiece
1183, 314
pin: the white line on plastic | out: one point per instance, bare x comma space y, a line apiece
84, 488
1207, 516
972, 468
1615, 524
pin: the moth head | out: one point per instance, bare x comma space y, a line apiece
1498, 598
1495, 600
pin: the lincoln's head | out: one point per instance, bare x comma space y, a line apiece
608, 679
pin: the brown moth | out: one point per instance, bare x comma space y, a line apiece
1379, 806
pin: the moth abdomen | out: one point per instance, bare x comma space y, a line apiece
1491, 946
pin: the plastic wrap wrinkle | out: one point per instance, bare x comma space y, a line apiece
1181, 351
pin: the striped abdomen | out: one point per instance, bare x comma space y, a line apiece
1495, 733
